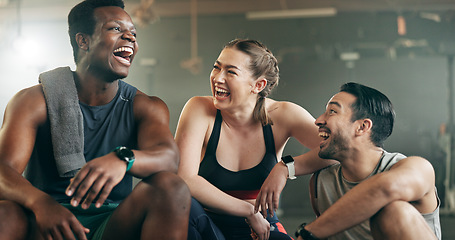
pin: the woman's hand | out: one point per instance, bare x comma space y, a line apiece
269, 195
260, 227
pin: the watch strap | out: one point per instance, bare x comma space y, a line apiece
129, 165
289, 162
305, 234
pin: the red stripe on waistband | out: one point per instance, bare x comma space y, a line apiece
244, 194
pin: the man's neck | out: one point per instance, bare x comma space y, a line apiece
94, 91
360, 163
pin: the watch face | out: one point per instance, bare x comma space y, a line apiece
287, 159
125, 154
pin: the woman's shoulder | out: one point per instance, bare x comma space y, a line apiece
200, 105
196, 117
288, 114
282, 107
200, 100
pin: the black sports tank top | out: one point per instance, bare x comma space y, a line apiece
243, 184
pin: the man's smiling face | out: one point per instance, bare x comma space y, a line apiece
336, 127
113, 44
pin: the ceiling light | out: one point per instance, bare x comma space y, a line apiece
349, 56
292, 13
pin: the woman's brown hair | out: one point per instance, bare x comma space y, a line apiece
263, 64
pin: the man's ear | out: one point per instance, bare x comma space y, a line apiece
83, 41
259, 85
364, 126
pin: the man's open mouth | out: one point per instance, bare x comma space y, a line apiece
123, 54
324, 135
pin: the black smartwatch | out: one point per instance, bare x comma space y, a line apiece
305, 234
126, 155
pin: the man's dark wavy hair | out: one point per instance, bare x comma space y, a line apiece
372, 104
82, 20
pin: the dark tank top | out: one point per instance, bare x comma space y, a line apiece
109, 126
243, 184
105, 127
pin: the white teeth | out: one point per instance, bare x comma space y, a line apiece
323, 134
220, 90
124, 49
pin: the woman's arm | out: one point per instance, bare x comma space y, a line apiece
290, 120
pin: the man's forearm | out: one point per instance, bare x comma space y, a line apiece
161, 159
14, 187
356, 206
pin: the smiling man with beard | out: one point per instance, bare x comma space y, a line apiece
370, 193
71, 145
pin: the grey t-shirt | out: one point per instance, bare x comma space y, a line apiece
331, 185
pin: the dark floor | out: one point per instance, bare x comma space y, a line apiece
447, 224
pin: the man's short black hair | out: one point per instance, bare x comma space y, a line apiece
82, 20
372, 104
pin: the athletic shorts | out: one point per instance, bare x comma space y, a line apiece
93, 218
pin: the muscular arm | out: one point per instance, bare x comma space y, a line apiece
157, 148
410, 180
23, 115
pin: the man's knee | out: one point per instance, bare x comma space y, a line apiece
166, 186
14, 221
398, 220
168, 182
396, 209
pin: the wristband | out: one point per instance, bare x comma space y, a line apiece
125, 154
289, 162
305, 234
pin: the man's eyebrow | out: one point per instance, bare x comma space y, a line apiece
123, 23
334, 103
